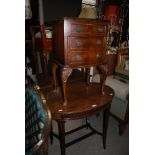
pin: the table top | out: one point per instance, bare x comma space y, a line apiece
83, 100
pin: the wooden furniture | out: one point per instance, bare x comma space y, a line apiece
37, 121
43, 45
111, 63
78, 43
83, 100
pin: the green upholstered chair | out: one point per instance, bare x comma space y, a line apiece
37, 122
120, 103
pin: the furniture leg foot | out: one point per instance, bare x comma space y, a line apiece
102, 69
122, 128
65, 73
105, 124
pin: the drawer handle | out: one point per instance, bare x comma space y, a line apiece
100, 29
98, 55
78, 43
98, 41
78, 57
78, 28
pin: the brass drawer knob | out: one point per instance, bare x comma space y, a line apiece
78, 57
78, 28
98, 55
78, 43
100, 29
98, 41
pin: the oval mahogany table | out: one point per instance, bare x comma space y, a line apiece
83, 100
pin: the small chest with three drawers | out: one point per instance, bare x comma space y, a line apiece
79, 42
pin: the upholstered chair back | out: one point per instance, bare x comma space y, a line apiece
37, 121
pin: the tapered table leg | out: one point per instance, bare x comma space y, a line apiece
106, 113
61, 127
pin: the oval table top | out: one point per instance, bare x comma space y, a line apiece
83, 100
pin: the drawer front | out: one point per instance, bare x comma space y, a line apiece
81, 58
79, 28
99, 29
78, 58
97, 42
78, 43
97, 56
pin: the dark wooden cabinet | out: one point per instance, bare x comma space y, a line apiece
78, 43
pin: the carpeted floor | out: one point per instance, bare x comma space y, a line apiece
116, 145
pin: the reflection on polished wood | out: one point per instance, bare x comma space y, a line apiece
81, 97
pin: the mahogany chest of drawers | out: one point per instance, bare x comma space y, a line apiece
79, 42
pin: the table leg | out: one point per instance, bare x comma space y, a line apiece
65, 73
54, 69
124, 122
106, 113
51, 135
103, 70
87, 123
61, 127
